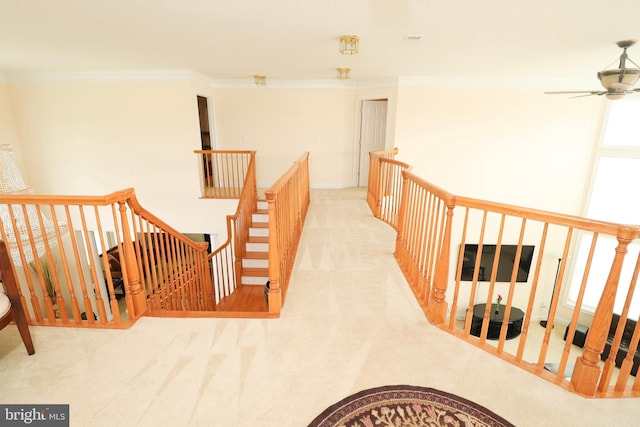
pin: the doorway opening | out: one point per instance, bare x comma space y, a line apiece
205, 129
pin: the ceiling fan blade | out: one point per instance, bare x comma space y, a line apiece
589, 92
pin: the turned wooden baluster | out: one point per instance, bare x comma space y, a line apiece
237, 249
138, 296
437, 309
587, 370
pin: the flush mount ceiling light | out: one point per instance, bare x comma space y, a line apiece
260, 80
349, 45
343, 73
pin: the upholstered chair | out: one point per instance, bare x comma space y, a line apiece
10, 304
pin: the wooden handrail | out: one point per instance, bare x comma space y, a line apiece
288, 201
72, 253
385, 181
222, 172
431, 222
226, 261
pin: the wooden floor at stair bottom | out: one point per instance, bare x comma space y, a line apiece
245, 301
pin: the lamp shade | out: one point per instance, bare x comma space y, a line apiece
28, 232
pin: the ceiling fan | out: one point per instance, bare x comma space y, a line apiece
617, 82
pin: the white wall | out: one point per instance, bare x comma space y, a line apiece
514, 146
281, 124
8, 130
92, 137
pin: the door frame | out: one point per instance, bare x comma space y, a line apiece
388, 134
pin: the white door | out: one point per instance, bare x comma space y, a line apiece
373, 127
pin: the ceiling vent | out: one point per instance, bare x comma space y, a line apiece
412, 37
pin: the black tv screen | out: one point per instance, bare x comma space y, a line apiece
505, 262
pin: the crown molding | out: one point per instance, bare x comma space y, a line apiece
247, 83
497, 82
100, 76
283, 84
170, 75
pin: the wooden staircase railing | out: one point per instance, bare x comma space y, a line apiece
288, 202
105, 261
433, 227
223, 172
100, 261
226, 261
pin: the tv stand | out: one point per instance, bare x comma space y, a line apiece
496, 320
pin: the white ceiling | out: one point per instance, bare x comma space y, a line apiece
298, 39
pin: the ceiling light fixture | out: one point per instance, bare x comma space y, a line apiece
620, 79
260, 80
349, 45
617, 82
343, 73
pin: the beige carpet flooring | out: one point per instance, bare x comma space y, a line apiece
350, 322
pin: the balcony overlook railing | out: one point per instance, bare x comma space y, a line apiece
223, 172
385, 185
435, 231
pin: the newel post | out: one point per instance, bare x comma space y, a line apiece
275, 293
377, 185
138, 296
404, 197
437, 308
587, 370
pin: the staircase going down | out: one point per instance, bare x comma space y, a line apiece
255, 259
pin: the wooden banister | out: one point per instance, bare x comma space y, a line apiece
223, 172
431, 222
288, 201
587, 371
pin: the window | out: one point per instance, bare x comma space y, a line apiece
616, 174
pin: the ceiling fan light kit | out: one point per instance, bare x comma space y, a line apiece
618, 82
619, 79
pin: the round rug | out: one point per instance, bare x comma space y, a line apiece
407, 406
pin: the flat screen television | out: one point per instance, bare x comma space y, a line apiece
505, 262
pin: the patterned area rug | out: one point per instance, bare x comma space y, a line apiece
406, 406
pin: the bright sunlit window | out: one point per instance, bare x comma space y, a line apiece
613, 197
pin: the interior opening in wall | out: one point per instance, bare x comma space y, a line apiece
211, 239
205, 129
